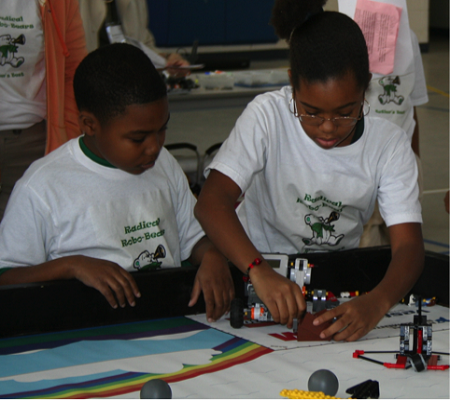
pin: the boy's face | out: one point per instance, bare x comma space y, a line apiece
132, 141
334, 98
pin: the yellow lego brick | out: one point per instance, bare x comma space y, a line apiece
304, 394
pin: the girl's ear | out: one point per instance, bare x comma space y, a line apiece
88, 123
290, 76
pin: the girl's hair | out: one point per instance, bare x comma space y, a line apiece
322, 45
288, 14
113, 77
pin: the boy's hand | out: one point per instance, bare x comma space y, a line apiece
108, 278
355, 318
282, 296
214, 279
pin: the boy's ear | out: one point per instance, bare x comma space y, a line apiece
88, 123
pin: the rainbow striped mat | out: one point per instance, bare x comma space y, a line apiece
116, 360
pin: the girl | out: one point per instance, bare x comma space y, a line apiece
311, 166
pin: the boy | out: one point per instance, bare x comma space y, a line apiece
113, 200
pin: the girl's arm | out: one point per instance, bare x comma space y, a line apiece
360, 315
215, 211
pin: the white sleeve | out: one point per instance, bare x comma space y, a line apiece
419, 94
398, 192
243, 154
26, 230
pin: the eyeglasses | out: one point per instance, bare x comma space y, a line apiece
337, 121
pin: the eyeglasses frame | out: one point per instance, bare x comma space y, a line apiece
355, 119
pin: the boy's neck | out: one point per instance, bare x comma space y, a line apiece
89, 154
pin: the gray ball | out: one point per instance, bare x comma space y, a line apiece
156, 389
324, 381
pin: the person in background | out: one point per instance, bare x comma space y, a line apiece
312, 165
395, 98
42, 43
133, 17
113, 200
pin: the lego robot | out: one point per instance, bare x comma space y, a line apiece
415, 347
298, 270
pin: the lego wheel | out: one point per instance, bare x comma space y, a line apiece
237, 313
418, 363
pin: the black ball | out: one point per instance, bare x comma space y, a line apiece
156, 389
324, 381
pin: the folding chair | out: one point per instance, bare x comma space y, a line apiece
190, 163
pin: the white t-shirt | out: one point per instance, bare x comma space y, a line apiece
22, 65
394, 97
302, 198
67, 204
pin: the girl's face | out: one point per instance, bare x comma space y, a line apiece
331, 99
132, 141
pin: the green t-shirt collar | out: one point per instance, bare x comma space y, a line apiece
359, 130
89, 154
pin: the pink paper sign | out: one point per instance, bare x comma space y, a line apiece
380, 23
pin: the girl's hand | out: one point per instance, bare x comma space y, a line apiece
282, 297
355, 318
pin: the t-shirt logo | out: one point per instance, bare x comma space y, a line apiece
322, 230
8, 50
390, 84
147, 260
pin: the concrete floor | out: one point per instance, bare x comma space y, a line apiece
207, 122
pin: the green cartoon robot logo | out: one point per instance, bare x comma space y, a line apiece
322, 230
8, 50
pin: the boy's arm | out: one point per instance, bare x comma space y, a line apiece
107, 277
213, 278
358, 316
215, 211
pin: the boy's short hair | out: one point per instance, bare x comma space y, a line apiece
113, 77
